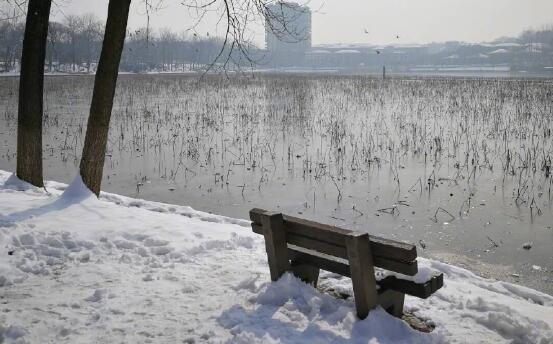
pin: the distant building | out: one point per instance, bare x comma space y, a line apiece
287, 33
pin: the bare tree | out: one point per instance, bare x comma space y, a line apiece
75, 43
31, 81
138, 51
90, 35
94, 150
11, 37
166, 45
55, 34
74, 27
237, 14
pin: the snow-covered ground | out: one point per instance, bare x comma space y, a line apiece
75, 269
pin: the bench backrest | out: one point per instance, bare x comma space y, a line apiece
307, 238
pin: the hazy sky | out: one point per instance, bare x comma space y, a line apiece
345, 21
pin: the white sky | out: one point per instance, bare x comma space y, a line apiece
345, 21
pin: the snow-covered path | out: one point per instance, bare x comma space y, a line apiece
74, 269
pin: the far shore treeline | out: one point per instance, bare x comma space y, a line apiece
73, 46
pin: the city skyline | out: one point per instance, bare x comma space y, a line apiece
378, 22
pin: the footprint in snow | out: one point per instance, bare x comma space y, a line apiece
97, 296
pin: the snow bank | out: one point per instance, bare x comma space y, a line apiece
76, 191
14, 183
76, 269
289, 311
58, 188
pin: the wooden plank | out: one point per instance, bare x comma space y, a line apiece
362, 274
406, 268
387, 248
341, 267
393, 249
275, 244
316, 245
409, 269
322, 261
310, 229
423, 290
334, 238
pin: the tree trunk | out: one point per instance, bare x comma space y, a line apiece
31, 85
94, 150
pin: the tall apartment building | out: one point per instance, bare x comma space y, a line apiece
288, 33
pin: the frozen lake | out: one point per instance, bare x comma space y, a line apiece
462, 167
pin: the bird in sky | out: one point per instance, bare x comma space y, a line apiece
377, 52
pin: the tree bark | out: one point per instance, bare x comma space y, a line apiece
31, 85
94, 150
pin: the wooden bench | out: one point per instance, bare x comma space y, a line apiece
303, 247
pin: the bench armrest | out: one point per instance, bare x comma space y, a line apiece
422, 290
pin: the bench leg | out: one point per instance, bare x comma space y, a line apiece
275, 244
362, 273
392, 301
398, 300
307, 273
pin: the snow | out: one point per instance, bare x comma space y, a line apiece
424, 274
77, 269
289, 311
319, 51
498, 51
76, 191
508, 45
348, 51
